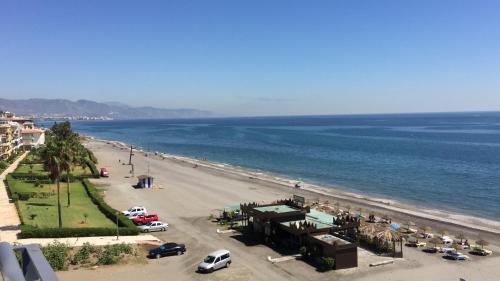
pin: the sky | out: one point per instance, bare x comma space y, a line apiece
243, 58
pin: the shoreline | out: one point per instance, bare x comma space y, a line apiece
378, 205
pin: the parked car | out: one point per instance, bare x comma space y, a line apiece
167, 249
215, 260
416, 244
456, 256
104, 172
427, 235
144, 219
481, 252
153, 226
446, 240
446, 249
431, 250
135, 211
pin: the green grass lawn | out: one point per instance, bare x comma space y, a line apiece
37, 169
46, 208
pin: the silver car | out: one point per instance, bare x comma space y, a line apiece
153, 226
215, 260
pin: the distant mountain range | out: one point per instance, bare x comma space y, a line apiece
54, 108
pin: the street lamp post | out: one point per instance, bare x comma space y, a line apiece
117, 232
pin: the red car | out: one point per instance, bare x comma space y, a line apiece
104, 172
144, 219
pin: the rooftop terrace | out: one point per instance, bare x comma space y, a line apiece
279, 209
330, 239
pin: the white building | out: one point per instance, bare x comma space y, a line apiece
32, 138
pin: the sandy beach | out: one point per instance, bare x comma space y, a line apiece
186, 196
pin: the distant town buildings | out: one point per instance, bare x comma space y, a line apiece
17, 133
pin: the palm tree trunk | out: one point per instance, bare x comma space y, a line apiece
67, 181
59, 204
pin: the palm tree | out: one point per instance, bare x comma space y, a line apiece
52, 154
72, 157
70, 143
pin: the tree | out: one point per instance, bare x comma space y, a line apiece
52, 153
72, 150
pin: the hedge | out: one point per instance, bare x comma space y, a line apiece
30, 177
126, 226
28, 231
93, 169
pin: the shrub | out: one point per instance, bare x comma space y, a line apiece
326, 263
3, 165
25, 196
83, 255
113, 253
106, 257
56, 254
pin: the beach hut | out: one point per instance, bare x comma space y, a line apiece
145, 181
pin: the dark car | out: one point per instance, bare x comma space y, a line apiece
167, 249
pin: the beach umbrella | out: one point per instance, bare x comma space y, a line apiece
443, 232
436, 241
482, 243
369, 229
461, 236
395, 226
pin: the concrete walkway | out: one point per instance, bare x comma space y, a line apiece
98, 241
9, 223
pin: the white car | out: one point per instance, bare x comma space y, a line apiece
446, 240
135, 211
428, 235
447, 250
153, 226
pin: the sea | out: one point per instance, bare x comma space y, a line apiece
444, 161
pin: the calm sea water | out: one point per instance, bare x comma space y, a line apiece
444, 161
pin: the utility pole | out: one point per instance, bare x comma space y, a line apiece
130, 157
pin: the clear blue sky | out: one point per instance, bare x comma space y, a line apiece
256, 57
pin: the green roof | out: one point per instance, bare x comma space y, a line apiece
276, 209
320, 217
232, 208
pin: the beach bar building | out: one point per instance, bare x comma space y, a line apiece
289, 224
145, 181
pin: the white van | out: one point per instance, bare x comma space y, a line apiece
215, 260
